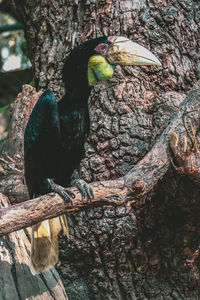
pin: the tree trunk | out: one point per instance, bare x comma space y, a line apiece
150, 251
17, 282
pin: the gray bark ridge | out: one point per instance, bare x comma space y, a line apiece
17, 281
150, 251
124, 191
127, 191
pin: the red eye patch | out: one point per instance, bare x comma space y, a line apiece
101, 48
111, 38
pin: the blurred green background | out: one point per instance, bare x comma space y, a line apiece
15, 67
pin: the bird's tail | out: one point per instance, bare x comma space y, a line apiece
44, 243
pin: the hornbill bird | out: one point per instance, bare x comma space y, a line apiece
56, 132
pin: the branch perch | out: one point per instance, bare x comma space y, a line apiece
122, 192
51, 205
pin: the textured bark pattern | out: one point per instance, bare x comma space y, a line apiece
17, 282
12, 159
52, 205
124, 191
113, 253
124, 246
122, 113
170, 29
123, 110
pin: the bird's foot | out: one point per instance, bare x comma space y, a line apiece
60, 190
84, 188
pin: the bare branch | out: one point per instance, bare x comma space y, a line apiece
124, 191
48, 206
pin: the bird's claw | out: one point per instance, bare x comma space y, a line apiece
60, 190
84, 188
66, 195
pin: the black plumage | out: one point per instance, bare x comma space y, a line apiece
53, 148
56, 132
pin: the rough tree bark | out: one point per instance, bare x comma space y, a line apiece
150, 251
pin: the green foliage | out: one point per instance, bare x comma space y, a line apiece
4, 107
32, 83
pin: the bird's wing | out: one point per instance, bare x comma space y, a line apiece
41, 141
42, 135
43, 119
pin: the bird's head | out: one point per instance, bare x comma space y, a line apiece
94, 61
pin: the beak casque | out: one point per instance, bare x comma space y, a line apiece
123, 51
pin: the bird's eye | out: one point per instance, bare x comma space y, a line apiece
101, 48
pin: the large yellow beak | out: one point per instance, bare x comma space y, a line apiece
123, 51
